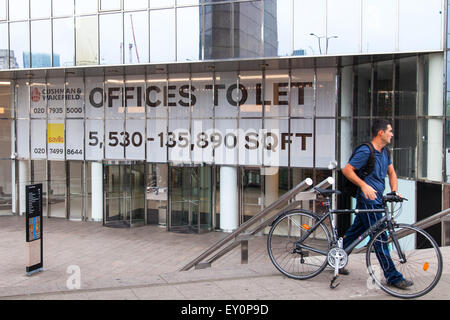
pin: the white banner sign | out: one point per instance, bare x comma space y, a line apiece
181, 120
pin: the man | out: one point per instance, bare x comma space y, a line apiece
370, 196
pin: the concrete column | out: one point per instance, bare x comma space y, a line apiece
271, 189
23, 180
435, 108
97, 191
229, 213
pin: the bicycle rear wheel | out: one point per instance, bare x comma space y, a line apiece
286, 254
423, 265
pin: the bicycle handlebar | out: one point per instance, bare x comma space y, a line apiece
393, 197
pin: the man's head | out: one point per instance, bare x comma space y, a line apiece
382, 129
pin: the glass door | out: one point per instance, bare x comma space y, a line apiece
124, 188
251, 200
190, 191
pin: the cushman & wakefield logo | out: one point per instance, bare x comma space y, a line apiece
35, 95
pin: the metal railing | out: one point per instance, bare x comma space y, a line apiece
258, 222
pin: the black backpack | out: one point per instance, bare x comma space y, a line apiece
348, 187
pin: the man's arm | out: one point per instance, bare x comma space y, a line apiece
393, 182
368, 191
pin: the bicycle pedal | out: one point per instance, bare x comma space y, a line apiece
332, 285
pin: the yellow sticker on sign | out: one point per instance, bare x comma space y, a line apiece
56, 133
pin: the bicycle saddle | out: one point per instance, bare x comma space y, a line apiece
326, 192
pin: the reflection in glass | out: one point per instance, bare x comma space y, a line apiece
383, 89
6, 189
218, 32
429, 30
5, 142
278, 28
161, 3
40, 8
57, 189
41, 44
85, 6
111, 45
188, 33
62, 7
404, 153
136, 37
87, 40
362, 89
3, 9
63, 46
76, 188
406, 90
361, 131
4, 60
19, 45
309, 19
135, 4
109, 5
378, 25
247, 24
343, 26
18, 9
162, 35
188, 2
326, 93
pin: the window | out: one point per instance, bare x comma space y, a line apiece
429, 30
62, 8
136, 37
247, 25
378, 25
343, 26
161, 3
18, 9
218, 36
19, 41
40, 8
2, 10
309, 27
188, 34
86, 40
111, 46
162, 35
108, 5
135, 4
85, 6
63, 45
4, 59
278, 28
41, 44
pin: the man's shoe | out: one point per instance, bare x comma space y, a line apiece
344, 272
403, 285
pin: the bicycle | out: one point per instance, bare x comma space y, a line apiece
301, 246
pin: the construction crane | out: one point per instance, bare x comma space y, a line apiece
134, 40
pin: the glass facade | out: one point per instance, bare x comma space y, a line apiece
130, 32
158, 96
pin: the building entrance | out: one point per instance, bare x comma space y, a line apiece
190, 190
124, 194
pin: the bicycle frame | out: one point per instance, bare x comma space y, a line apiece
386, 218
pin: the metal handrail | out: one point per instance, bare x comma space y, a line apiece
255, 219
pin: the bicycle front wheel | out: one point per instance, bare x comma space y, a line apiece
422, 264
286, 253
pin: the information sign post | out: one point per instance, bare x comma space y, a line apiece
34, 228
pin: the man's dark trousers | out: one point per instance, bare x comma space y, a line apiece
362, 222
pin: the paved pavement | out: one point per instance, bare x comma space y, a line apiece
86, 261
